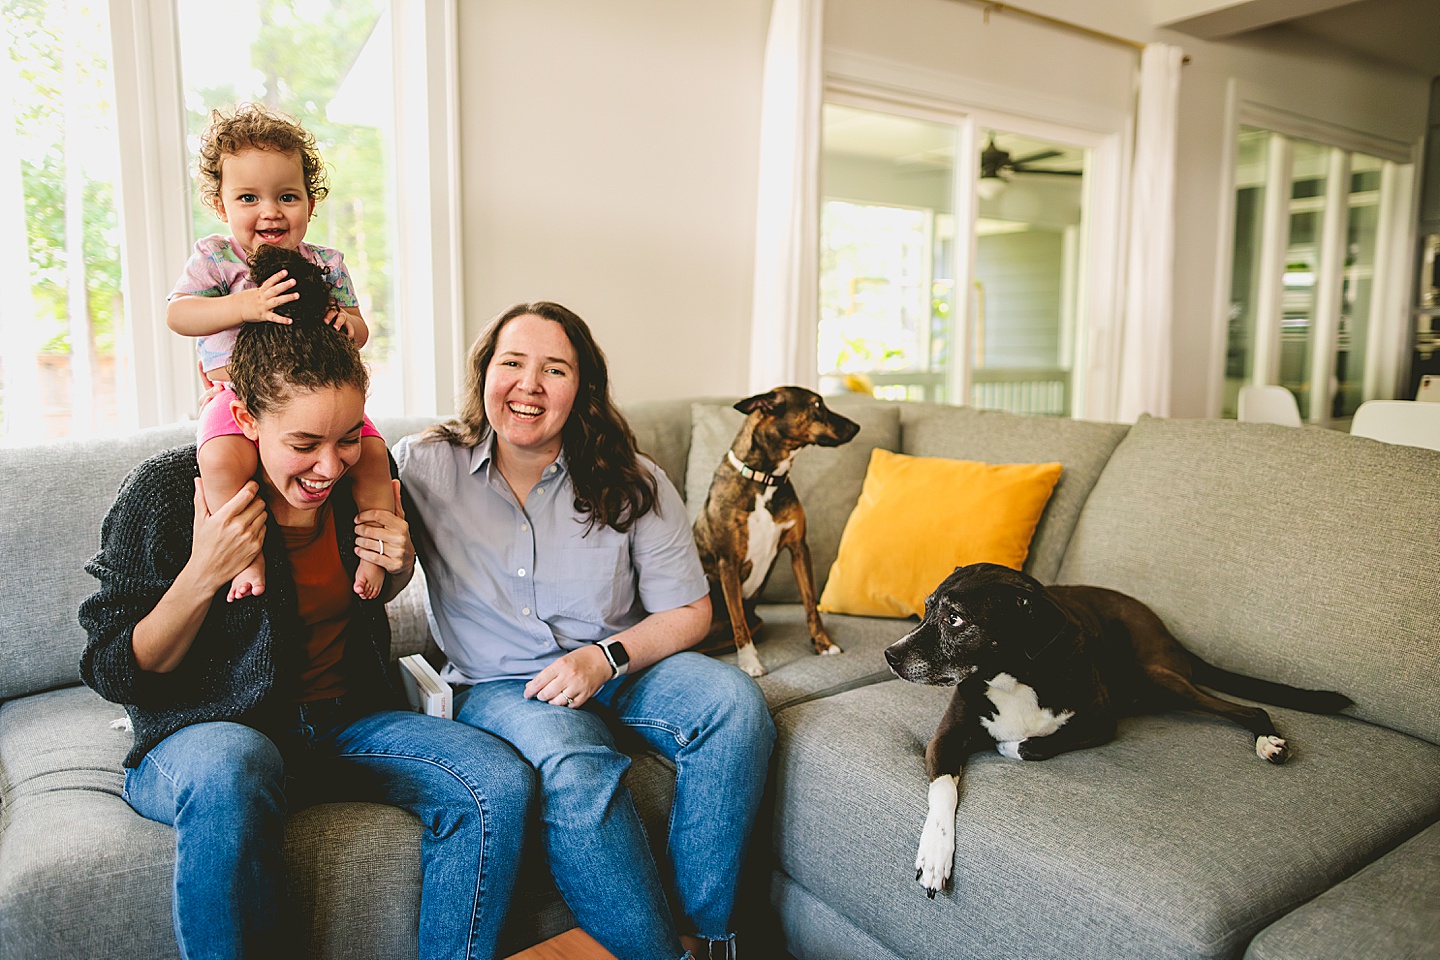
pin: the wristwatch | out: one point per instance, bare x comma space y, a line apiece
618, 656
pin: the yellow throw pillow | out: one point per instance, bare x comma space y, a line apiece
921, 517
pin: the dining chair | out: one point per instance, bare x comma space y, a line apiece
1414, 423
1268, 403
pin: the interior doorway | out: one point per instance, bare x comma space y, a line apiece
953, 250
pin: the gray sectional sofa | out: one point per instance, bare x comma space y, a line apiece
1299, 555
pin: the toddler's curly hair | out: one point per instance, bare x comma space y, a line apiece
256, 126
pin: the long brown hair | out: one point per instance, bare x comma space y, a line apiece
611, 487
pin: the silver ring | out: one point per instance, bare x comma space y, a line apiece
382, 546
569, 701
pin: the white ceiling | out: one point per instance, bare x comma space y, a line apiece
920, 145
1401, 33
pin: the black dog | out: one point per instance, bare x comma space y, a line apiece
751, 512
1044, 670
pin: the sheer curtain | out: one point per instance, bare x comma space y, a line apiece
785, 308
1144, 348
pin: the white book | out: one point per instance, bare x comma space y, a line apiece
424, 688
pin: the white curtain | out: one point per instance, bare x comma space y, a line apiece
1144, 349
785, 308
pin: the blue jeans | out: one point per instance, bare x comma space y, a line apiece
224, 787
711, 721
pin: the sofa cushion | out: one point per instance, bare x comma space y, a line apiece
918, 518
1172, 841
83, 875
796, 673
993, 436
827, 479
56, 494
1304, 556
1388, 911
812, 930
663, 433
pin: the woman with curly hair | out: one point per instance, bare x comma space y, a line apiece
243, 712
566, 591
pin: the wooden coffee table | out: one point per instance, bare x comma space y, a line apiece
573, 944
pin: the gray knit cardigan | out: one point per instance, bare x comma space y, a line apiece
246, 659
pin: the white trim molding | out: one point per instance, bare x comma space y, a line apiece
152, 200
430, 308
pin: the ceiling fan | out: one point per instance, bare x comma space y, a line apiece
996, 163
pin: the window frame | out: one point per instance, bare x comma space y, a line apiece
155, 180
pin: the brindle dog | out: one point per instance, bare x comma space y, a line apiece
752, 511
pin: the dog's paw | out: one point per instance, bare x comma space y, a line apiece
933, 860
1274, 749
1009, 748
749, 661
830, 651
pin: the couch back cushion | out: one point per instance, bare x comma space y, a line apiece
1299, 555
827, 479
992, 436
662, 432
53, 497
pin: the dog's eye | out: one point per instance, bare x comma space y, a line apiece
1023, 603
955, 620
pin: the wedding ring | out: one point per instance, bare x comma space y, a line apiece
382, 546
569, 701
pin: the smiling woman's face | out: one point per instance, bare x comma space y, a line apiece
306, 444
530, 385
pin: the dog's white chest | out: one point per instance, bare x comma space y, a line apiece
1018, 713
762, 541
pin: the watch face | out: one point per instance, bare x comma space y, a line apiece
618, 651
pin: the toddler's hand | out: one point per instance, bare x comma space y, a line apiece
212, 389
257, 305
337, 319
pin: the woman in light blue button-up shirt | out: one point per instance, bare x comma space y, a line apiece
566, 591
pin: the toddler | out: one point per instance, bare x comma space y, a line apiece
262, 175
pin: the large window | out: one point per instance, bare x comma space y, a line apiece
96, 161
1311, 221
268, 54
62, 316
891, 320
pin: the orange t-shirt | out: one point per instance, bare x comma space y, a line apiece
326, 600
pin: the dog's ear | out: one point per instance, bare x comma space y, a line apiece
764, 402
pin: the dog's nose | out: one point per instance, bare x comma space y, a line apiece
892, 657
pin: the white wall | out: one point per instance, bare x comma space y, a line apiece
608, 162
608, 153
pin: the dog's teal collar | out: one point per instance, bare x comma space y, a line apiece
750, 473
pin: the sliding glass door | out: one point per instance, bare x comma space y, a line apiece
1310, 221
951, 252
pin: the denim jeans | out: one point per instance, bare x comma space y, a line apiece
711, 721
224, 787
